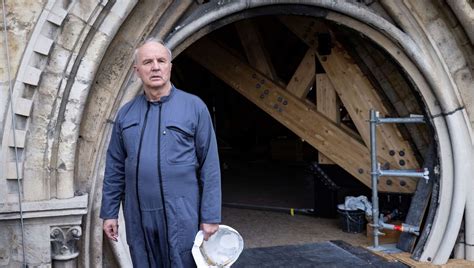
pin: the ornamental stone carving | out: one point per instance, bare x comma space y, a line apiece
64, 242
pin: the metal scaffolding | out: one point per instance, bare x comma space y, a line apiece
376, 172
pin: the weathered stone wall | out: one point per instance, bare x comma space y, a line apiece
448, 36
69, 67
55, 66
21, 19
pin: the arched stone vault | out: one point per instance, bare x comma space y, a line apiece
75, 73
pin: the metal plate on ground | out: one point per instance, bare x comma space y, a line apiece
324, 254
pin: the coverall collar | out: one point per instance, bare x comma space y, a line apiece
164, 98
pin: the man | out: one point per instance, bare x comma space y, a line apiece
162, 163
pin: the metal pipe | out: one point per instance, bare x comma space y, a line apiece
375, 176
461, 156
465, 15
406, 173
291, 211
17, 170
460, 246
406, 120
469, 218
406, 228
445, 193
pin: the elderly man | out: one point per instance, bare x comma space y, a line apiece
162, 163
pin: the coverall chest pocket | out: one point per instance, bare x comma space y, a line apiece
180, 145
130, 134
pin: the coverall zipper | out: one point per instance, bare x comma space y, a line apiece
161, 186
136, 174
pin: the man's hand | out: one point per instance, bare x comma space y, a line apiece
209, 229
111, 229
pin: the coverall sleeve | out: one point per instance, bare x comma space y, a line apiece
114, 177
209, 171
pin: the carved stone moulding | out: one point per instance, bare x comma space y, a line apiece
51, 232
64, 242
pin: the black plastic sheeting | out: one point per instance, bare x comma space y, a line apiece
324, 254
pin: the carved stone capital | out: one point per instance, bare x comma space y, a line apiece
64, 242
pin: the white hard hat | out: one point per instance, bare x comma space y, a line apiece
221, 249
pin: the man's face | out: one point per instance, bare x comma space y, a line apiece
153, 65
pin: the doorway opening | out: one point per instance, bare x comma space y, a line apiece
272, 192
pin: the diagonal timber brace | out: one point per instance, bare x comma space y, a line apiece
301, 117
357, 94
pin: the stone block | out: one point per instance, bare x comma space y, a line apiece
97, 47
5, 247
20, 136
23, 106
84, 9
59, 60
86, 71
11, 198
110, 25
37, 152
71, 31
30, 76
4, 257
36, 248
43, 45
447, 45
65, 185
465, 81
47, 91
121, 8
78, 94
36, 188
426, 10
12, 187
100, 101
11, 170
115, 64
57, 15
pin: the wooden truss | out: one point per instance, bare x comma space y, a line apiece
317, 122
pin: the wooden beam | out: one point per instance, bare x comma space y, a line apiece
305, 29
303, 78
297, 115
255, 51
358, 96
326, 103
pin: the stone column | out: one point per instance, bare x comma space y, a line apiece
64, 249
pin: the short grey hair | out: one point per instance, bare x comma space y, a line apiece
151, 40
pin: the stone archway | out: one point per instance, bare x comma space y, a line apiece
76, 85
426, 80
